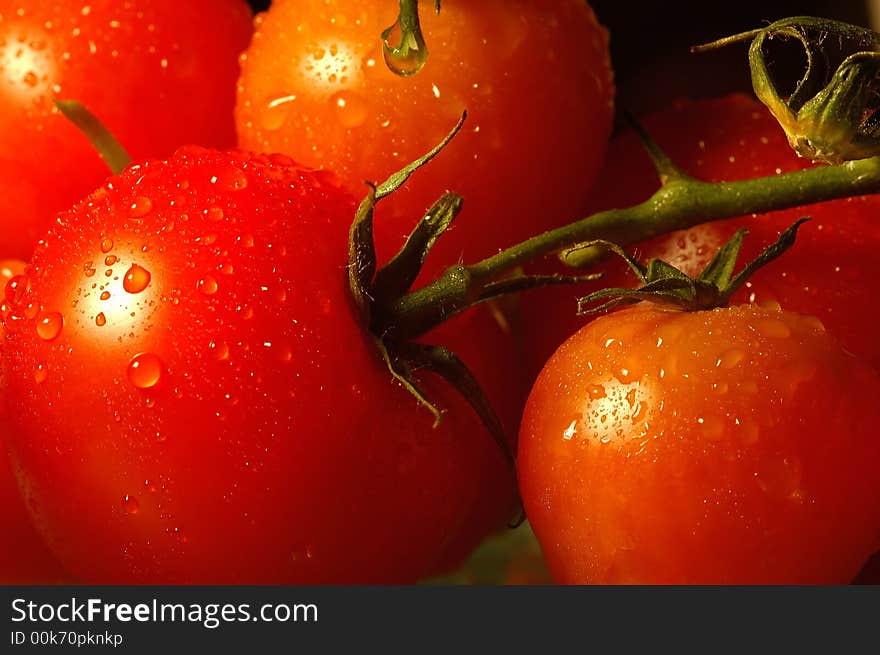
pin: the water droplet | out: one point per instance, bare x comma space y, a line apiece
570, 431
30, 78
207, 285
730, 358
283, 352
100, 320
773, 328
130, 505
136, 279
230, 178
220, 350
144, 370
214, 214
140, 207
49, 326
105, 295
88, 269
16, 289
350, 108
31, 310
40, 374
246, 240
814, 323
106, 245
109, 260
409, 60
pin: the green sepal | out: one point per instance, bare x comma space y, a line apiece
664, 284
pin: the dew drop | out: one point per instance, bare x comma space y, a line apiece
140, 207
350, 109
130, 505
136, 279
214, 214
230, 179
220, 349
49, 326
144, 370
16, 289
105, 295
109, 260
207, 285
401, 64
40, 374
773, 328
730, 358
106, 245
100, 320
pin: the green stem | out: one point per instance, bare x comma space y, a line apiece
682, 203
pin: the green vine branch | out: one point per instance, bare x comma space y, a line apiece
680, 203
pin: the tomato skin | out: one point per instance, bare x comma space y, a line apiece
24, 558
158, 73
825, 275
535, 78
734, 446
259, 438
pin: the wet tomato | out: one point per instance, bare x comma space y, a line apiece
24, 559
732, 446
734, 138
159, 73
193, 399
535, 78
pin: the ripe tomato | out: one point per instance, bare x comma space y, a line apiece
24, 559
732, 446
734, 138
195, 401
534, 76
159, 73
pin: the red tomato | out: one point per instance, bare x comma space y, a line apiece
733, 446
537, 83
534, 76
159, 73
825, 275
24, 559
196, 402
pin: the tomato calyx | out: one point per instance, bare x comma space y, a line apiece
831, 116
664, 284
410, 52
102, 140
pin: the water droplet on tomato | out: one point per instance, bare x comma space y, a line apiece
40, 374
350, 109
49, 326
283, 352
207, 285
230, 178
214, 214
105, 295
31, 310
136, 279
106, 245
220, 349
144, 370
100, 320
16, 289
140, 207
109, 260
246, 240
730, 358
130, 505
88, 269
773, 328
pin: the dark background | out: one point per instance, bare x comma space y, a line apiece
650, 42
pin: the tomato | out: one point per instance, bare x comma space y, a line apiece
733, 138
158, 73
24, 559
195, 401
534, 76
732, 446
